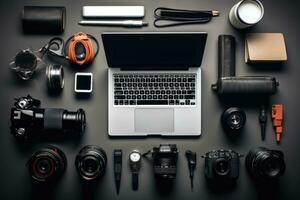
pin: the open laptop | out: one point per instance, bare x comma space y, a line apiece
154, 82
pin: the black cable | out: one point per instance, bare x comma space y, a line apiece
181, 17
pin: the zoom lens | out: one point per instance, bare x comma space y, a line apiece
91, 162
265, 163
33, 121
47, 164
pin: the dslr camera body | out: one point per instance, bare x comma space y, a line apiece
222, 165
165, 161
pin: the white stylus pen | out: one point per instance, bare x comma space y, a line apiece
126, 23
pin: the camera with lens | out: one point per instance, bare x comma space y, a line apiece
222, 165
91, 162
165, 161
28, 119
265, 164
47, 164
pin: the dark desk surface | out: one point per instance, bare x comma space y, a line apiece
280, 16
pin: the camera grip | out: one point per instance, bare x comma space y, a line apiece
247, 85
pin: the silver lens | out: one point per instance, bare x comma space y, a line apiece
55, 77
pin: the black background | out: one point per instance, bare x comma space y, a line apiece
280, 16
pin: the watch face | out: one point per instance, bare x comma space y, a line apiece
135, 157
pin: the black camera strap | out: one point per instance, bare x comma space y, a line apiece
192, 162
181, 17
145, 155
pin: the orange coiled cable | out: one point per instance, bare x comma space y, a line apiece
84, 39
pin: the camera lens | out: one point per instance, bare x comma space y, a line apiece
44, 166
47, 164
54, 120
90, 165
265, 163
75, 121
271, 167
233, 119
221, 167
91, 162
55, 77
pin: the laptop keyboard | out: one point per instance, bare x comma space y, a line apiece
154, 89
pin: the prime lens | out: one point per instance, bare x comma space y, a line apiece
91, 162
47, 164
265, 163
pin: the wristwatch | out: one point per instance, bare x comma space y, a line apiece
135, 166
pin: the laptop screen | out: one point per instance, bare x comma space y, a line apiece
154, 50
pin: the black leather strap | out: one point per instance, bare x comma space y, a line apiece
135, 180
118, 167
180, 17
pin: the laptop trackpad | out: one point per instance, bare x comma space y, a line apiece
154, 120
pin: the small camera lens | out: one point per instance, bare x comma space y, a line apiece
222, 167
55, 77
233, 119
47, 164
91, 162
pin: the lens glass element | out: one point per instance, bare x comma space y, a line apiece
222, 167
44, 166
91, 162
272, 166
90, 165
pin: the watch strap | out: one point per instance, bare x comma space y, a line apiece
135, 180
118, 167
